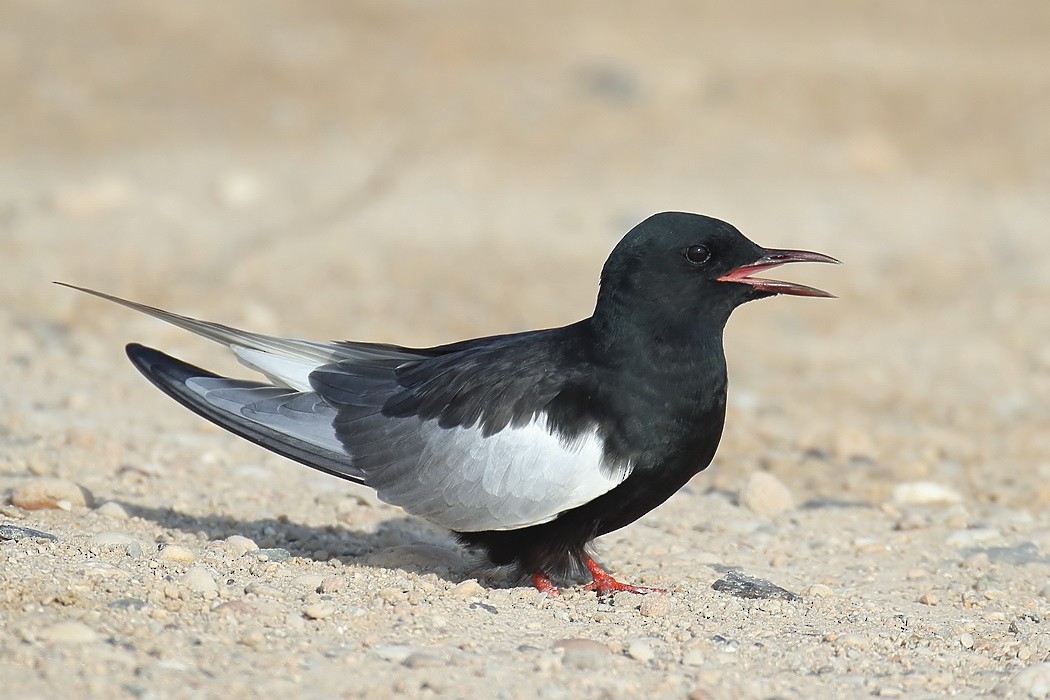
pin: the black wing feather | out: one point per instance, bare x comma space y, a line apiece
170, 376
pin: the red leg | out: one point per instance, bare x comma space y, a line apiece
543, 584
604, 583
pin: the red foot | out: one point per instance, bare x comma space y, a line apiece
604, 583
543, 584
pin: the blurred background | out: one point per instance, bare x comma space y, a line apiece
417, 172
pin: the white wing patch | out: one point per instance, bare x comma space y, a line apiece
289, 369
513, 479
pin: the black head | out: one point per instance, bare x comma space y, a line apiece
677, 270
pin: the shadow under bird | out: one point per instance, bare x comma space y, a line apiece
529, 445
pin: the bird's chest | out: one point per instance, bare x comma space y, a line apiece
667, 421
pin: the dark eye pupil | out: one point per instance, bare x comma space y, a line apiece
697, 254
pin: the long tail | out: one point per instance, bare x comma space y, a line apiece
286, 361
294, 424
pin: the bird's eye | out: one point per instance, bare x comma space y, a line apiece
697, 254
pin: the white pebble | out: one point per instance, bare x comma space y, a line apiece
176, 554
467, 589
112, 510
766, 495
640, 650
50, 493
693, 657
1034, 681
261, 589
925, 493
655, 605
818, 590
238, 545
853, 641
318, 611
311, 582
199, 580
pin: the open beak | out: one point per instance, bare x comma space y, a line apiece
771, 258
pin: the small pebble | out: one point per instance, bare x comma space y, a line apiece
467, 589
392, 595
744, 586
640, 650
233, 607
853, 641
818, 590
693, 657
199, 580
238, 545
112, 510
655, 605
1034, 681
929, 599
261, 589
254, 640
966, 640
69, 633
311, 582
925, 493
318, 611
766, 495
332, 584
50, 493
176, 554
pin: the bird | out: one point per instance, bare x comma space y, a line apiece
525, 446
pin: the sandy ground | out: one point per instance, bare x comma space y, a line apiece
420, 172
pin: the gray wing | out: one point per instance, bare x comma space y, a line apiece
294, 424
463, 478
467, 440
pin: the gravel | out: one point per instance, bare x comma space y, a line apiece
396, 174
